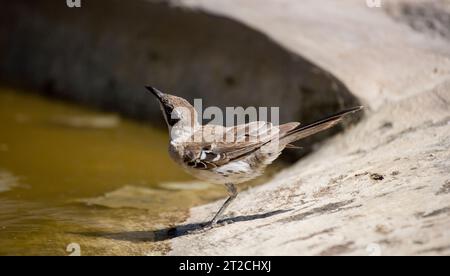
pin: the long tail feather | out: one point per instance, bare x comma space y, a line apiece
301, 132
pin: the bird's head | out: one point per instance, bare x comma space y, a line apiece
177, 111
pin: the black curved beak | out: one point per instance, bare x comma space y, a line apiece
158, 94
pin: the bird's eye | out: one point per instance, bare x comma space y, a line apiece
168, 109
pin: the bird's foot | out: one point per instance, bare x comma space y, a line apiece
209, 225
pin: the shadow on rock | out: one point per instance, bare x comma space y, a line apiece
172, 232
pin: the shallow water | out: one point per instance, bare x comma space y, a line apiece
73, 178
63, 170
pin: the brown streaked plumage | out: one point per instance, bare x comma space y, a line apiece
229, 155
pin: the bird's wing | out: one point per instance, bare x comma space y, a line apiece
233, 144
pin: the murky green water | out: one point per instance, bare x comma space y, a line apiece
72, 175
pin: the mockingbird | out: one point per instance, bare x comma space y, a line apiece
229, 155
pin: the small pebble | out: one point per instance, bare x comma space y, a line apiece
376, 176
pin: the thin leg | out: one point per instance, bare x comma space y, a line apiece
232, 192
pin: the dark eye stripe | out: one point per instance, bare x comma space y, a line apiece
169, 109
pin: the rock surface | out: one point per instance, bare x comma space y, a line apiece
383, 186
